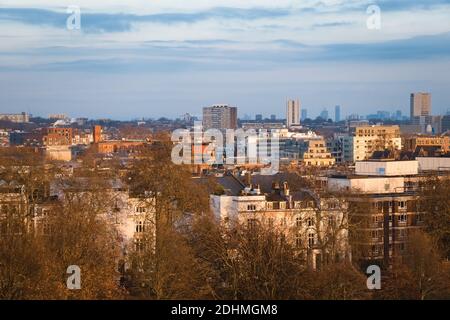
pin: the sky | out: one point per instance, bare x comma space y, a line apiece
154, 58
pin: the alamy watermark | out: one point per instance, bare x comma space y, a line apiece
374, 279
373, 22
73, 21
74, 280
239, 147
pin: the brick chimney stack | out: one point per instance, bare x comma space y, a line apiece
248, 178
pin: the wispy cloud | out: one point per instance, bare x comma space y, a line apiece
333, 24
224, 55
101, 22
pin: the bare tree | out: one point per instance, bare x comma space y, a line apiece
421, 276
434, 203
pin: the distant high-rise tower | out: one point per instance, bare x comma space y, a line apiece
304, 114
324, 114
220, 117
420, 104
292, 113
337, 113
258, 117
273, 117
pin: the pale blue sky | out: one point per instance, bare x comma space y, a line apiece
140, 58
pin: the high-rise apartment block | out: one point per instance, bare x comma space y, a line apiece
292, 113
420, 104
337, 113
220, 117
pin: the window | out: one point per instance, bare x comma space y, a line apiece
298, 241
138, 245
310, 222
140, 227
46, 229
375, 250
332, 205
377, 219
3, 227
402, 218
251, 207
331, 221
402, 204
311, 240
140, 209
252, 224
298, 221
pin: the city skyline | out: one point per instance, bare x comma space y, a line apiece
382, 113
131, 60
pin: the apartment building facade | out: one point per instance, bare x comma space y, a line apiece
383, 199
220, 116
132, 216
58, 137
426, 141
317, 154
305, 219
308, 149
15, 117
362, 141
